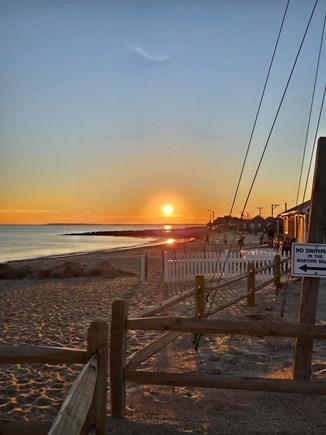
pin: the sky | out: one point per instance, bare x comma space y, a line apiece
112, 109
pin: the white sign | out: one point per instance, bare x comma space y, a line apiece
309, 259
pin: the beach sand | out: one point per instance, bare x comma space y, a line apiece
59, 311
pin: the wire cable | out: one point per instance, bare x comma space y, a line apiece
310, 112
196, 344
258, 110
313, 149
278, 110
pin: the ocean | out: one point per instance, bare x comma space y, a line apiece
19, 242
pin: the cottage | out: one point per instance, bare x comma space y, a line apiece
296, 222
254, 225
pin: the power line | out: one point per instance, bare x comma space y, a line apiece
279, 107
261, 159
258, 110
311, 106
313, 149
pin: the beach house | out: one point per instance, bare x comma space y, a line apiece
296, 222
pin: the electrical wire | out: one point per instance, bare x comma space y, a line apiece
278, 110
258, 110
310, 112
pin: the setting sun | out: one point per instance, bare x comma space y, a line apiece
167, 209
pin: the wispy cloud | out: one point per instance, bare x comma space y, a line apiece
143, 53
25, 211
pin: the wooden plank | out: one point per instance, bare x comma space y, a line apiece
200, 296
14, 427
229, 303
251, 285
154, 309
228, 382
74, 409
118, 358
264, 284
27, 353
277, 272
227, 283
98, 343
310, 286
150, 349
257, 328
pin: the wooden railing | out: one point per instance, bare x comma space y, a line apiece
200, 292
123, 369
84, 409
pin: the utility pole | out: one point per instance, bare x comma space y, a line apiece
213, 213
260, 209
273, 207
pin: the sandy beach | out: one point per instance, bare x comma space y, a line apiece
59, 311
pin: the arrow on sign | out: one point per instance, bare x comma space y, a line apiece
305, 268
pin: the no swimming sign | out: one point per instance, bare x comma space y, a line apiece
309, 259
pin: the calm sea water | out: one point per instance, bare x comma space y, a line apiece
19, 242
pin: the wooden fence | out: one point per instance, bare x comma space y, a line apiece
123, 369
84, 409
181, 267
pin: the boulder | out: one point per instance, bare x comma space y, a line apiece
56, 274
105, 268
16, 273
40, 274
4, 269
69, 269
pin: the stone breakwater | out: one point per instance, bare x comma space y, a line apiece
177, 233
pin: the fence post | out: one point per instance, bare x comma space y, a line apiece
200, 296
165, 267
277, 272
251, 285
118, 338
97, 341
143, 267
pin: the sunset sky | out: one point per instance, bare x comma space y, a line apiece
113, 109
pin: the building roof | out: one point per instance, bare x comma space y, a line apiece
301, 208
258, 219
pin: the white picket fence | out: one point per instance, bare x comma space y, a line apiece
180, 267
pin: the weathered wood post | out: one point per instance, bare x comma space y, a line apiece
163, 262
165, 267
277, 272
200, 299
251, 285
118, 339
309, 285
200, 296
97, 341
143, 267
